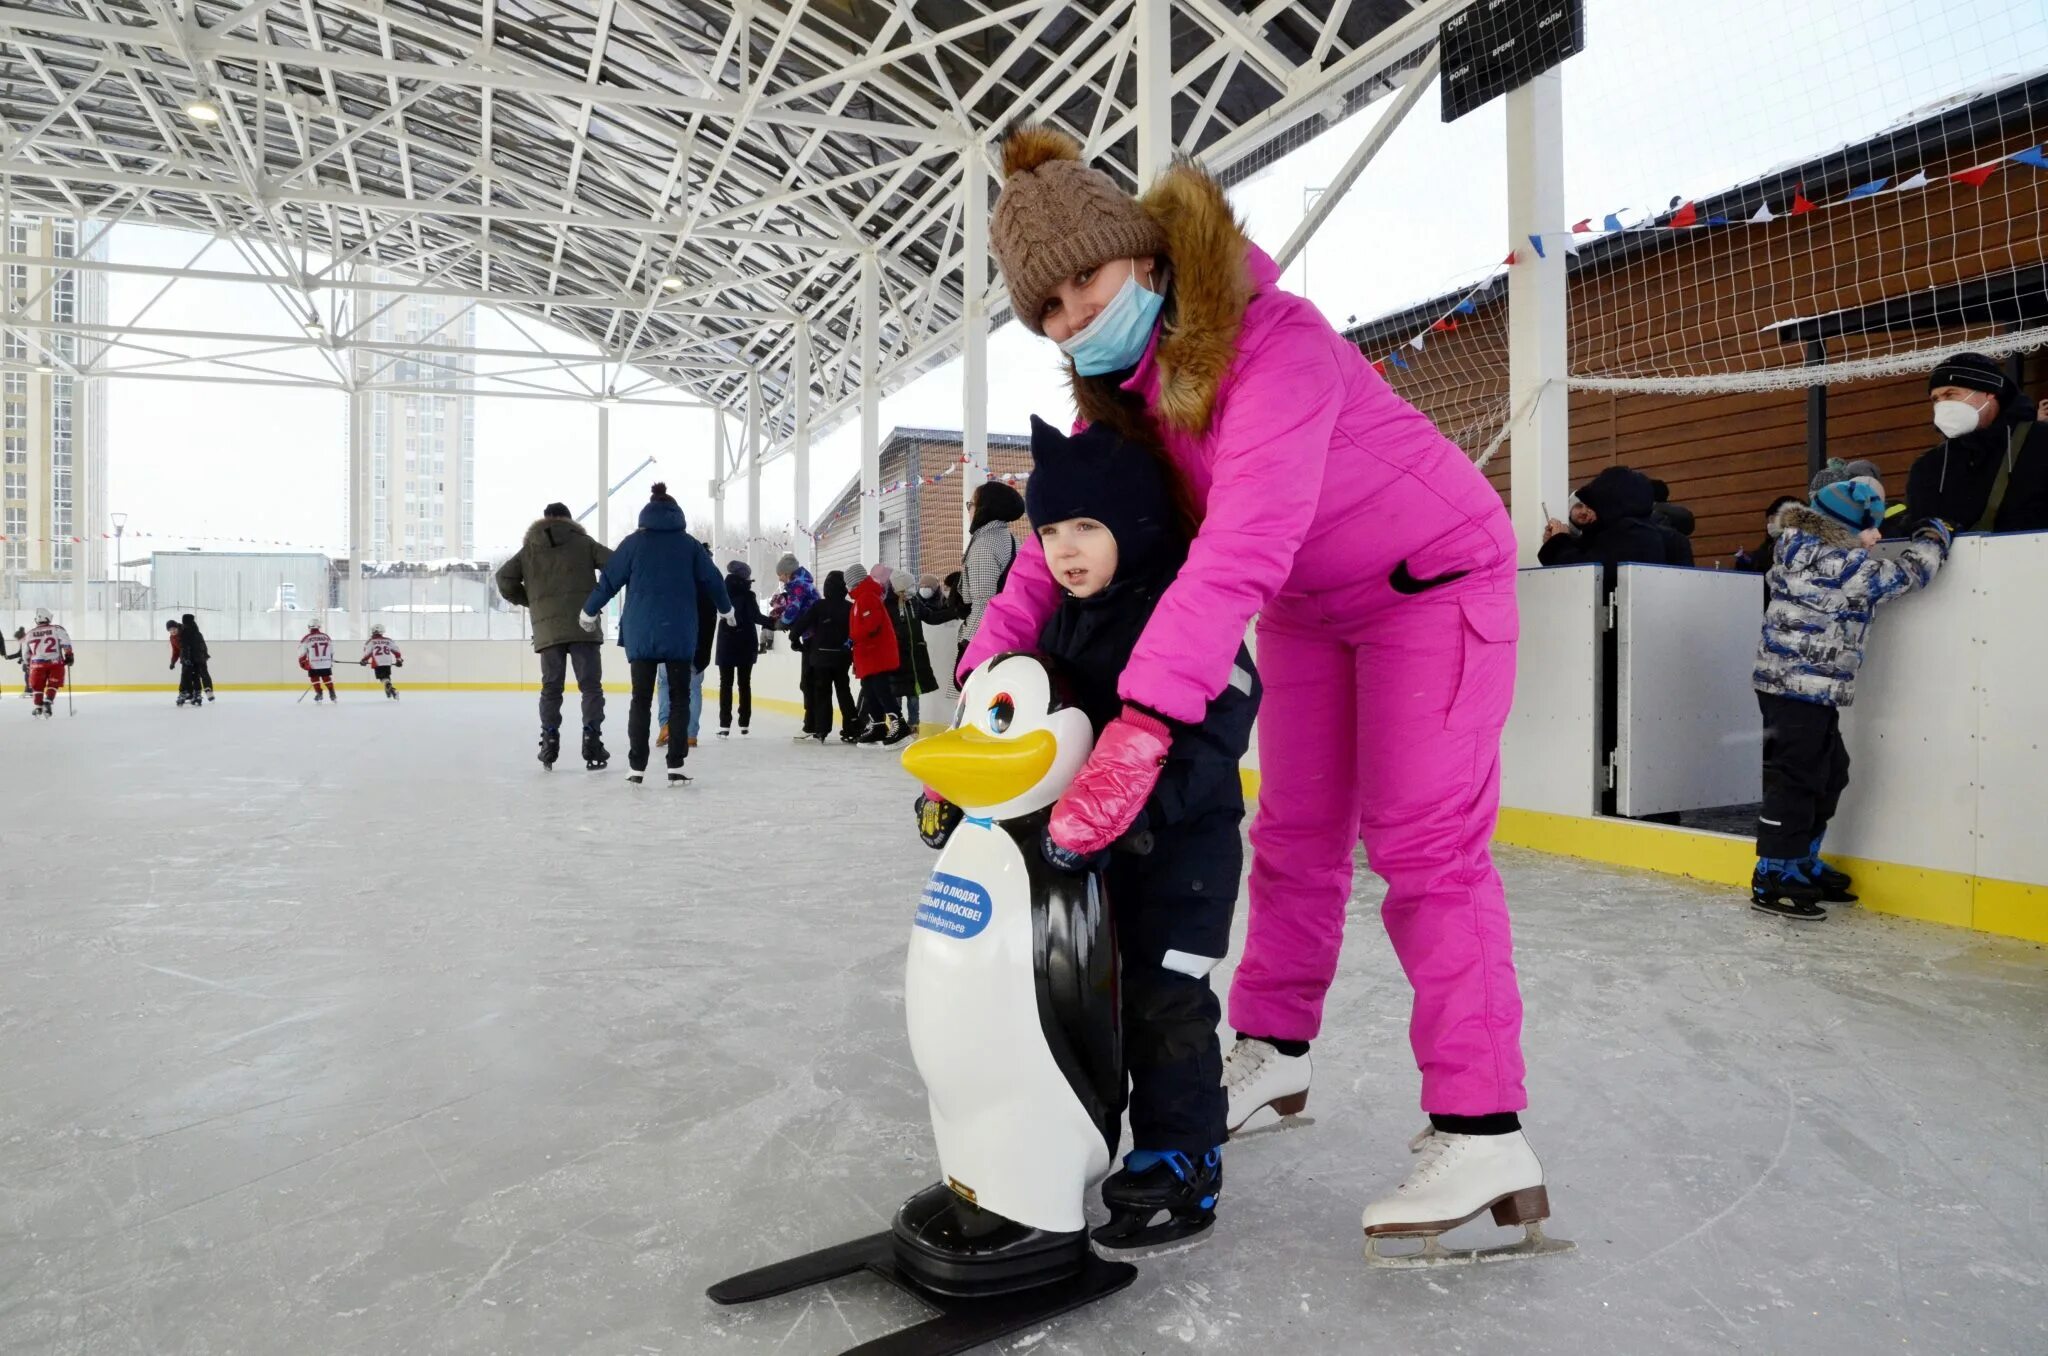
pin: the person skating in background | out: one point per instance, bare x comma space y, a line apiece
1114, 542
669, 579
550, 575
700, 664
739, 647
316, 657
190, 650
1990, 471
914, 660
795, 596
1824, 583
820, 634
991, 551
1613, 518
46, 649
1759, 560
382, 656
875, 660
185, 692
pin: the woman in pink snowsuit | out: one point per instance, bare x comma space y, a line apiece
1381, 567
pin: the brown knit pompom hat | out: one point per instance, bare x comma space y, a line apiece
1057, 216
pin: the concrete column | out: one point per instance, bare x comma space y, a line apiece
83, 526
973, 331
1539, 467
604, 475
752, 554
718, 459
1154, 21
358, 501
870, 406
805, 548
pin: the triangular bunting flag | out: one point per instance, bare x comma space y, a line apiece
1581, 227
1612, 222
1395, 359
1445, 324
1800, 205
1510, 260
1418, 341
2032, 156
1537, 241
1468, 307
1764, 213
1715, 221
1686, 215
1917, 181
1976, 175
1380, 367
1866, 190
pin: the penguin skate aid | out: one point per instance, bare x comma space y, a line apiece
1010, 1000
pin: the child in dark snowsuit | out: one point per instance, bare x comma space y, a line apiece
191, 653
821, 633
1104, 513
1824, 585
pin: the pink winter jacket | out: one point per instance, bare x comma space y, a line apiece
1312, 478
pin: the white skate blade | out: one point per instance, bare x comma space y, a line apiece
1156, 1250
1434, 1254
1266, 1120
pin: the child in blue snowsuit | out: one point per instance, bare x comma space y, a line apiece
1824, 585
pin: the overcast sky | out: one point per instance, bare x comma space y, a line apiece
1669, 99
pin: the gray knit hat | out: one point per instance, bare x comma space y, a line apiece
1057, 216
788, 564
856, 574
1838, 470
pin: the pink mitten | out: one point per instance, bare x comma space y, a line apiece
1113, 785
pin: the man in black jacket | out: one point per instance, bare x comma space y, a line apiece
1990, 473
1612, 514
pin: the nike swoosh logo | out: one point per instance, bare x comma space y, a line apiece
1404, 582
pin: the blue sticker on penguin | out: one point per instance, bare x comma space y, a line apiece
954, 906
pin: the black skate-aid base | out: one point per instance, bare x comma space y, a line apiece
962, 1322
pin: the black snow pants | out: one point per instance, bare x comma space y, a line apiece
190, 678
825, 674
1806, 769
728, 675
1172, 907
639, 715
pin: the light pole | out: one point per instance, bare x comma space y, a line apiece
120, 522
1308, 200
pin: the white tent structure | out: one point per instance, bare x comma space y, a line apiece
776, 209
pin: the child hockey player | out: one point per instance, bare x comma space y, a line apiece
47, 651
316, 657
1824, 585
1114, 539
382, 656
189, 654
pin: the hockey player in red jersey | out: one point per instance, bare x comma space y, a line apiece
316, 657
382, 656
47, 648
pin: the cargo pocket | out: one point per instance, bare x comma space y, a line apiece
1486, 665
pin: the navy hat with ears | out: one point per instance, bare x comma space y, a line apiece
1098, 474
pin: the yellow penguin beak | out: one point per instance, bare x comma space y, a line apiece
973, 769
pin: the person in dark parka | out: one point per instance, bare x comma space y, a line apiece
669, 579
550, 575
739, 645
193, 654
1990, 473
821, 634
1675, 521
1613, 515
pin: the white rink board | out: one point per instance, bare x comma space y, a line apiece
1912, 729
2008, 579
1550, 753
1689, 735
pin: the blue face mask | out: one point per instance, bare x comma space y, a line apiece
1116, 338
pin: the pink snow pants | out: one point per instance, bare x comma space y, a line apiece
1382, 720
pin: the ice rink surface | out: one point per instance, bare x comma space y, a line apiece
350, 1031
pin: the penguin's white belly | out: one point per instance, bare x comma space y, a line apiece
1009, 1127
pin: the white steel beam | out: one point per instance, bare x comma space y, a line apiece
800, 378
974, 331
1153, 22
870, 406
604, 474
752, 555
1354, 165
1539, 467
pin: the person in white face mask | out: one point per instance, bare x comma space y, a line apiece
1990, 471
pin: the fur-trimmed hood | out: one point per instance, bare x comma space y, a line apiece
548, 532
1811, 521
1213, 272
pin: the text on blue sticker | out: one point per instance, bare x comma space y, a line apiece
953, 906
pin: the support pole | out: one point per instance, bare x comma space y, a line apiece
82, 490
752, 553
870, 407
604, 475
358, 501
804, 548
1539, 475
1816, 412
974, 333
719, 463
1154, 22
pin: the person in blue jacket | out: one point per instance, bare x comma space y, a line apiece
668, 576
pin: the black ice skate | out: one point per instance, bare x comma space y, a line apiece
1781, 887
390, 691
676, 777
594, 755
1151, 1184
550, 748
1832, 884
898, 730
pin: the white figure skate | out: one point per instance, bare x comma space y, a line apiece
1456, 1178
1264, 1087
